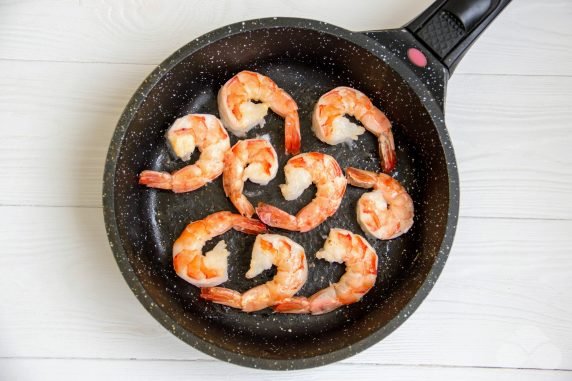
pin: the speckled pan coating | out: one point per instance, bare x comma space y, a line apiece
306, 58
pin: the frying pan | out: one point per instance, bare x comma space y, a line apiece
403, 71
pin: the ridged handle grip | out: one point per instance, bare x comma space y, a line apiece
449, 27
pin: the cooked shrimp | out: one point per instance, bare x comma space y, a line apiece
252, 159
301, 171
194, 130
332, 127
387, 211
209, 269
342, 246
239, 113
292, 272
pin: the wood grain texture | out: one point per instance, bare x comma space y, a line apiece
512, 140
57, 120
530, 37
502, 301
511, 137
502, 309
96, 370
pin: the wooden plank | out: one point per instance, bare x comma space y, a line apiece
511, 136
512, 149
56, 129
502, 301
502, 308
530, 37
61, 369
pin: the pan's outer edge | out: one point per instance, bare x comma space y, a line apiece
109, 203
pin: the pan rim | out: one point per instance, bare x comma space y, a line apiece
108, 196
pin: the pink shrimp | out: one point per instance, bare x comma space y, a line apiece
360, 258
301, 171
209, 269
292, 272
194, 130
332, 127
239, 113
387, 211
252, 159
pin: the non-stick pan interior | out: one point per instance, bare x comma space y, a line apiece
306, 63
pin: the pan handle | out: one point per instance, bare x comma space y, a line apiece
449, 27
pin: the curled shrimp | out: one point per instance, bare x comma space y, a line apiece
292, 272
239, 113
301, 171
194, 130
332, 127
252, 159
342, 246
387, 211
209, 269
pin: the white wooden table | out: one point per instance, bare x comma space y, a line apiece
502, 309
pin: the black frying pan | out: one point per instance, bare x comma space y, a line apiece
306, 58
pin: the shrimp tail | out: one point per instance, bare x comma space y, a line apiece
249, 225
361, 178
276, 217
153, 179
295, 305
223, 296
243, 206
292, 134
387, 152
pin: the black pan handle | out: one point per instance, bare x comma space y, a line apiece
449, 27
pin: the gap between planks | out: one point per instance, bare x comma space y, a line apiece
503, 291
460, 215
343, 362
153, 65
124, 31
181, 370
512, 151
347, 362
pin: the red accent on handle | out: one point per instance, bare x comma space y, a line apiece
417, 57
